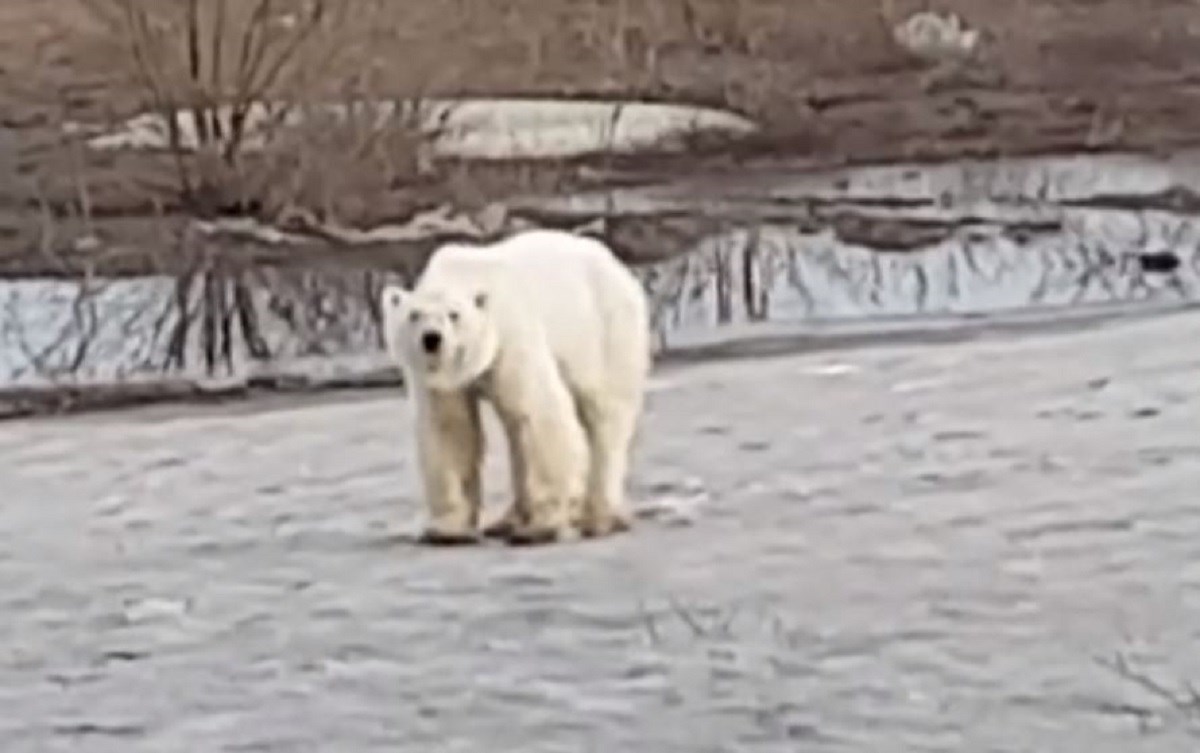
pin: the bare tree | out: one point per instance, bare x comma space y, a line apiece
223, 78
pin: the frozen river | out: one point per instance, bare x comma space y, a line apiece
909, 548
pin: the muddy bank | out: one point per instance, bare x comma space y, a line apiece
779, 251
1047, 75
830, 87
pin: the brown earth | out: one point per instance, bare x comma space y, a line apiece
823, 76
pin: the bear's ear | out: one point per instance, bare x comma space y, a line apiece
481, 300
393, 298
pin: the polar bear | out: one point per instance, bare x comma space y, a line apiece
554, 332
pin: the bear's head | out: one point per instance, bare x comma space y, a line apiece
443, 338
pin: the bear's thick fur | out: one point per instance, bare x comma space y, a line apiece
554, 332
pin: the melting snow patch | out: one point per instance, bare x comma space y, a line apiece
465, 128
138, 611
834, 369
676, 504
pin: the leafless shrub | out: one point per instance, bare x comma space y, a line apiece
224, 78
1182, 703
735, 622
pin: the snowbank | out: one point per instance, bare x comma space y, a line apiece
472, 128
1013, 238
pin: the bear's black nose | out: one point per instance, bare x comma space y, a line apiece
1161, 262
431, 341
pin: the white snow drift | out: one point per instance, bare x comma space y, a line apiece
468, 128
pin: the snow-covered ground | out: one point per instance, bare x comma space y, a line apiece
897, 548
122, 329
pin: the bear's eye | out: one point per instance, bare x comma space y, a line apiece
454, 317
414, 316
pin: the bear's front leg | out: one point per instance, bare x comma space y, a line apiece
513, 517
450, 447
550, 466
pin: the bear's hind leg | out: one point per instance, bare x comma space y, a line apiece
610, 427
451, 447
514, 517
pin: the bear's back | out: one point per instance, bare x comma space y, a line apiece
553, 287
534, 263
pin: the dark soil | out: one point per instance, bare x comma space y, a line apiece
823, 77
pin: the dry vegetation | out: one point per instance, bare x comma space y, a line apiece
216, 60
823, 76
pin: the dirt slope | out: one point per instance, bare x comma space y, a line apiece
823, 76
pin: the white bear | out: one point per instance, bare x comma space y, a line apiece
553, 331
